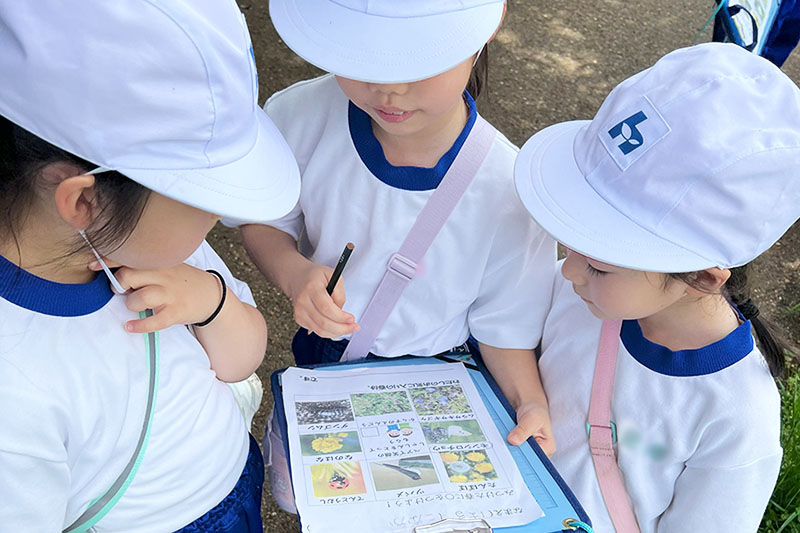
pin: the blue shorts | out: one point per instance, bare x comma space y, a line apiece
240, 511
314, 350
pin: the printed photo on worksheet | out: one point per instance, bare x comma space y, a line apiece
387, 448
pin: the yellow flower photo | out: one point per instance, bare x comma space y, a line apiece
468, 467
326, 444
484, 467
323, 443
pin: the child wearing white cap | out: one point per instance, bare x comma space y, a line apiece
687, 173
126, 129
375, 140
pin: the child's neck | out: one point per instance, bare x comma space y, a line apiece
691, 323
42, 248
424, 148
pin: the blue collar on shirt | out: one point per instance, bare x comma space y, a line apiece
706, 360
48, 297
409, 178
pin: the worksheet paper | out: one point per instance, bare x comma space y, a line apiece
387, 448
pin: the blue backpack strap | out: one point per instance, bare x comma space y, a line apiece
778, 37
102, 505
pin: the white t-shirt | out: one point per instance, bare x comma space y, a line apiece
698, 430
73, 387
489, 271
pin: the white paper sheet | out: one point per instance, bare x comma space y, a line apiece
387, 448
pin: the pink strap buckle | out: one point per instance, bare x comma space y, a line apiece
611, 426
402, 266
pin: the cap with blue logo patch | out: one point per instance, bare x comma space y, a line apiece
690, 164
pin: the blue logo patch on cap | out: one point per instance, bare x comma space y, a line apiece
627, 129
630, 134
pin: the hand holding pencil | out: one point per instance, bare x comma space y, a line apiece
318, 301
337, 272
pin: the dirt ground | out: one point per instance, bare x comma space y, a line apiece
552, 61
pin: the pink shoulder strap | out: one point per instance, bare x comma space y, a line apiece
402, 266
602, 432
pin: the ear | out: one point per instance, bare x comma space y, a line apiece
74, 198
709, 281
502, 17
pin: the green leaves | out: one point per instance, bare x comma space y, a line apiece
783, 512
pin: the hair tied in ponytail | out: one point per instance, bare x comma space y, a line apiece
749, 309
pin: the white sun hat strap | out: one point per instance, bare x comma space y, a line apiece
478, 56
103, 265
99, 507
110, 275
603, 432
402, 265
99, 170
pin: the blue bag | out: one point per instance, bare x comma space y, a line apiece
769, 28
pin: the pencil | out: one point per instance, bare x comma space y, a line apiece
337, 272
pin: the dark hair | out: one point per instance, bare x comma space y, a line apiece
479, 76
23, 156
737, 291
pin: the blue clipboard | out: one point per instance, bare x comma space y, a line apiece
559, 505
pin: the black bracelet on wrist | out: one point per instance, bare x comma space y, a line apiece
208, 320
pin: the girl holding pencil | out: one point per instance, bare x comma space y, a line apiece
374, 140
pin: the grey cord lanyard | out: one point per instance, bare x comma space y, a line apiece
98, 508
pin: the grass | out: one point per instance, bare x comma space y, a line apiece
783, 511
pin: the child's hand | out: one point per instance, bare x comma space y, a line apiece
533, 420
181, 294
314, 309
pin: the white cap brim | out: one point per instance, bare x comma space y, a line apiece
556, 194
368, 48
267, 184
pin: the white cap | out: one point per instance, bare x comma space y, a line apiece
163, 91
690, 164
386, 41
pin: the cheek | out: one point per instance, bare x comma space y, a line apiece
354, 90
186, 236
178, 246
155, 246
598, 297
605, 294
439, 101
452, 81
632, 301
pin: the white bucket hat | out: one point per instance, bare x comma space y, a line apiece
163, 91
690, 164
386, 41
